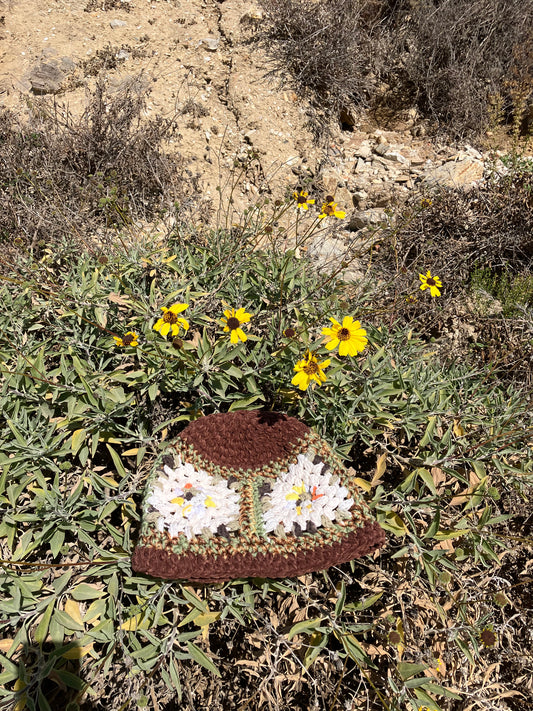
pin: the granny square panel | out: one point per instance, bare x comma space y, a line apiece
250, 494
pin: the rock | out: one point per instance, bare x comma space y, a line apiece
330, 181
367, 218
404, 180
329, 254
47, 77
116, 24
211, 43
344, 199
359, 199
381, 148
381, 194
459, 174
364, 150
484, 304
396, 157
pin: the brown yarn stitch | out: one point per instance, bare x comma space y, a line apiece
246, 439
225, 501
208, 569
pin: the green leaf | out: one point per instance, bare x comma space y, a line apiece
42, 627
354, 649
57, 541
20, 439
364, 604
11, 670
417, 682
78, 438
67, 621
244, 403
427, 438
425, 475
202, 659
117, 461
71, 680
407, 669
433, 526
339, 605
305, 626
83, 591
43, 703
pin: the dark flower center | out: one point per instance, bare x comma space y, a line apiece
311, 368
329, 209
128, 340
177, 343
170, 317
289, 333
394, 637
431, 281
488, 638
344, 334
301, 199
233, 323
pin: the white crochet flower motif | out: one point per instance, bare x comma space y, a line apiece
192, 502
305, 494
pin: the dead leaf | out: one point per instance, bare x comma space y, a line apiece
381, 466
118, 299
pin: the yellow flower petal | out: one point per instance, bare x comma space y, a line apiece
178, 308
165, 328
301, 380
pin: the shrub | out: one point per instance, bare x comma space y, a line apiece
443, 452
60, 175
448, 58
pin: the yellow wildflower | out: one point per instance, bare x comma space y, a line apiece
329, 209
128, 339
233, 321
302, 201
170, 322
430, 282
350, 337
309, 369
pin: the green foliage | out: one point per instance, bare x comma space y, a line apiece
512, 290
436, 446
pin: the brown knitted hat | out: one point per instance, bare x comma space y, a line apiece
250, 494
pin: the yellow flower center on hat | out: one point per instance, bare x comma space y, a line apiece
170, 317
233, 323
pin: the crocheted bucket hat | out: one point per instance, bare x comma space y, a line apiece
250, 494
